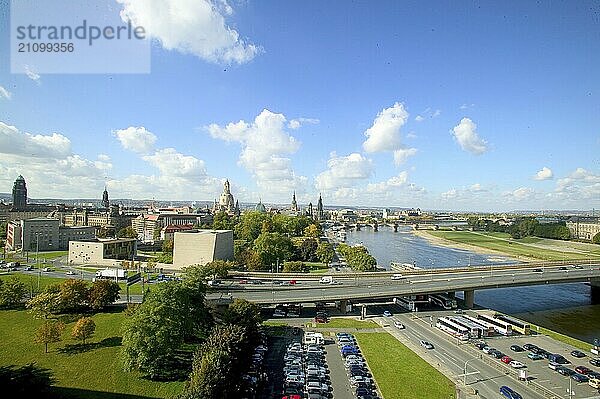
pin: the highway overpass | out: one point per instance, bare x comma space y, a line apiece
431, 281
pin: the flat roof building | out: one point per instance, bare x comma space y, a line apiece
201, 247
102, 251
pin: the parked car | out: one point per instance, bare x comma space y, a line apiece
579, 377
553, 366
516, 348
386, 313
487, 349
480, 345
564, 371
426, 345
506, 359
595, 362
582, 370
509, 393
535, 356
578, 354
529, 347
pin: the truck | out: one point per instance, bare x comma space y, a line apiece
111, 273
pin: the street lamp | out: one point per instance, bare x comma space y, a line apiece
465, 371
37, 259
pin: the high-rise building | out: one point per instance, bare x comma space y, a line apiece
320, 215
105, 201
19, 194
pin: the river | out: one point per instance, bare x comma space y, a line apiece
565, 308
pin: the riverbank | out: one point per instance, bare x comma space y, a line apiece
442, 242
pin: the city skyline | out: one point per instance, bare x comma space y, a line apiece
482, 107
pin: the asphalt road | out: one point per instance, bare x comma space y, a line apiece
382, 287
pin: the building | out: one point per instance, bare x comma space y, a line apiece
583, 228
148, 226
102, 251
320, 215
201, 246
294, 208
168, 233
19, 194
44, 234
226, 202
105, 201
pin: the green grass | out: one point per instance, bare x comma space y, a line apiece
513, 248
563, 338
49, 255
399, 372
318, 271
31, 280
344, 322
97, 372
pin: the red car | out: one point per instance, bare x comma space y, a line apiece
582, 370
506, 359
320, 319
292, 397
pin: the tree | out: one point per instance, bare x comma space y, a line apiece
325, 252
44, 304
103, 293
246, 314
12, 292
313, 230
222, 221
83, 329
127, 232
73, 295
250, 225
252, 261
215, 269
308, 249
49, 332
294, 267
3, 228
596, 239
168, 246
273, 247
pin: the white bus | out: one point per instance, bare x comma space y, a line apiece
447, 325
444, 301
500, 326
476, 330
517, 325
488, 328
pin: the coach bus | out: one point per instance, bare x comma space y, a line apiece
475, 330
500, 326
444, 301
447, 325
517, 325
488, 328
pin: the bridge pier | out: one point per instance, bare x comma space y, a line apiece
343, 306
469, 296
595, 290
395, 227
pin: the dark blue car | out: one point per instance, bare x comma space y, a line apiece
509, 393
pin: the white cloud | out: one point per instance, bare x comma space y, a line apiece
466, 106
297, 123
195, 27
520, 194
13, 141
411, 135
544, 174
436, 113
136, 139
580, 185
32, 75
384, 135
265, 146
401, 155
450, 194
174, 164
344, 172
476, 188
419, 118
466, 135
5, 93
103, 157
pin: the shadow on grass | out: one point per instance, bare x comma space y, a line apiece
29, 381
76, 393
73, 349
174, 368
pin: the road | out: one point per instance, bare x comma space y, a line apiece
413, 284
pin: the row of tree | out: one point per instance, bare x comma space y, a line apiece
73, 295
522, 228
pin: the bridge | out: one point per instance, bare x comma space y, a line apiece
368, 286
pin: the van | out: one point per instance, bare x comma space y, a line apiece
326, 280
594, 383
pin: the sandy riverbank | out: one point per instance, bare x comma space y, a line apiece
434, 240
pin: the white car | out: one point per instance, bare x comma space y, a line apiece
516, 364
426, 344
70, 272
398, 325
397, 277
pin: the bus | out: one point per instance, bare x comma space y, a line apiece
405, 303
500, 326
475, 329
517, 325
449, 326
444, 301
488, 328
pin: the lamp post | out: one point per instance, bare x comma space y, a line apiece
465, 371
37, 259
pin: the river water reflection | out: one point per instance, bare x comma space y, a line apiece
563, 307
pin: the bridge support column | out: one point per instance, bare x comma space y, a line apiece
363, 312
469, 298
395, 227
357, 227
343, 306
595, 288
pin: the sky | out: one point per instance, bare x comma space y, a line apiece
471, 105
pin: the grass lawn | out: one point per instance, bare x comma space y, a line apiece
344, 322
513, 248
49, 255
399, 372
31, 280
93, 373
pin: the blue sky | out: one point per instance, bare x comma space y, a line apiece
468, 106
